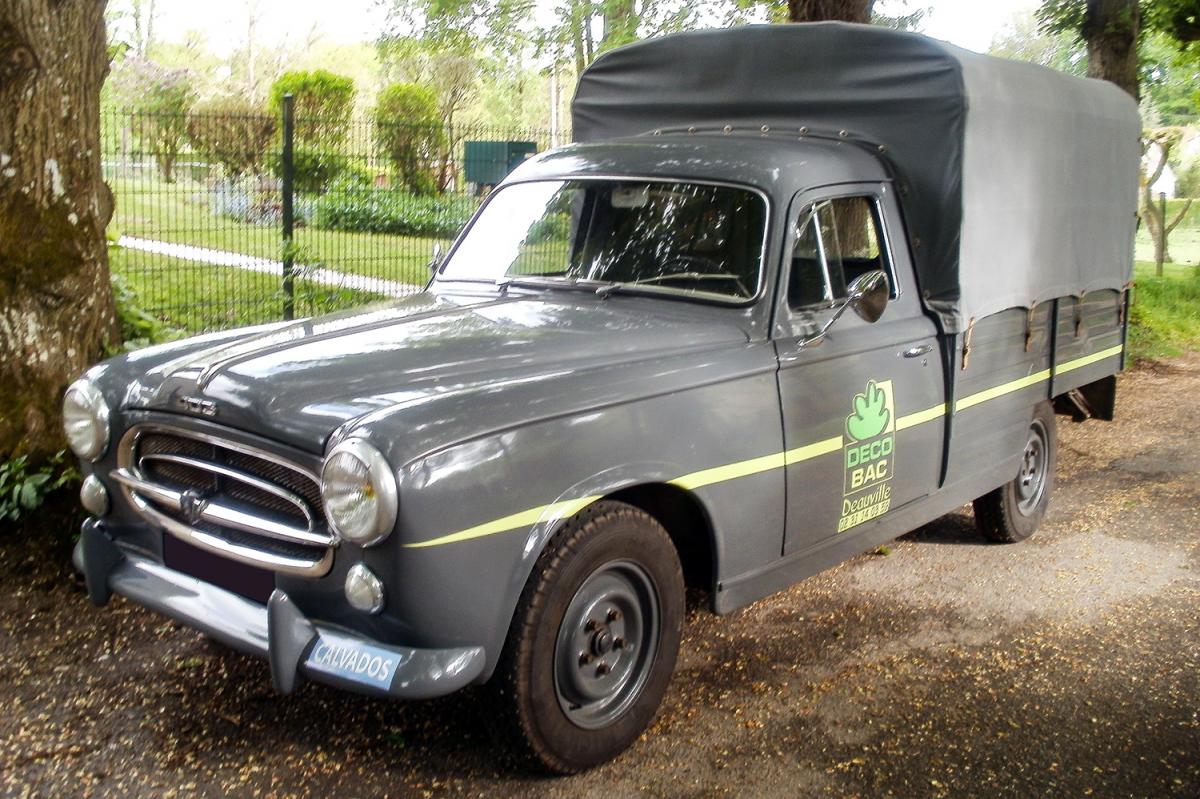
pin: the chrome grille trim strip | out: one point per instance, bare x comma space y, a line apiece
239, 476
143, 495
217, 513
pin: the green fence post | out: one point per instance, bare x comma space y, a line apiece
288, 170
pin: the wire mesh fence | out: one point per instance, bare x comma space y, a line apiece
227, 220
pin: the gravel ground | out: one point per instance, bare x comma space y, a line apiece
1068, 665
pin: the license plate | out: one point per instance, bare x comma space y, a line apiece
240, 578
353, 660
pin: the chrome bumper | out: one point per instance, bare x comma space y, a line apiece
278, 632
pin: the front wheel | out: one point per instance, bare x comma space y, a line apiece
594, 639
1012, 512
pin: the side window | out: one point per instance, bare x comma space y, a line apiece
834, 242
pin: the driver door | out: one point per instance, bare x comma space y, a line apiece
853, 401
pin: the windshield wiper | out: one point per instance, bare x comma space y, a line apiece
557, 284
632, 285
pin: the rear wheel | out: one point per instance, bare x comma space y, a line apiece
1012, 512
594, 638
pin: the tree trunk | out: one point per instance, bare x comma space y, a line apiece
1151, 211
818, 10
1159, 227
620, 23
56, 303
577, 22
1111, 31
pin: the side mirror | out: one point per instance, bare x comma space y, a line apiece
435, 260
869, 294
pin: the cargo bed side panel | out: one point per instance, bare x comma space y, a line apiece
995, 394
1090, 335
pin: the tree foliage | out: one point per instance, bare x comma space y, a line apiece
159, 99
1169, 80
1134, 43
1021, 39
323, 102
408, 130
232, 132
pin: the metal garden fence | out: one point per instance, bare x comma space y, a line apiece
226, 220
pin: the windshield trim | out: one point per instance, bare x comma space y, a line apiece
737, 302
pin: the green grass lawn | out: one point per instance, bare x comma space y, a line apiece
197, 297
179, 212
1183, 244
1165, 317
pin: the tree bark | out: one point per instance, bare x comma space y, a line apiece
56, 302
818, 10
1111, 30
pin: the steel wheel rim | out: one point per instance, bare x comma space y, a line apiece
1031, 481
606, 644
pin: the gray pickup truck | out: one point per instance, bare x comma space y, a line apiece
794, 292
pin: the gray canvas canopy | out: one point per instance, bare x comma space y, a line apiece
1018, 183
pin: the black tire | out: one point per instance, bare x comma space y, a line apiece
610, 557
1012, 512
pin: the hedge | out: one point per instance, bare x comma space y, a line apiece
353, 207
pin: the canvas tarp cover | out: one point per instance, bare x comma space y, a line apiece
1019, 182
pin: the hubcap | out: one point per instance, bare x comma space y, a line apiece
606, 644
1031, 482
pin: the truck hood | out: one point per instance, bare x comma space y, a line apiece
299, 382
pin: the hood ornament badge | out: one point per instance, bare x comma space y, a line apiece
196, 405
192, 504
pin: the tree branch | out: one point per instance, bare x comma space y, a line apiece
1179, 217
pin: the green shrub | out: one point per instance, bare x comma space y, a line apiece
314, 170
323, 103
232, 132
360, 208
160, 99
1188, 180
23, 489
138, 328
409, 132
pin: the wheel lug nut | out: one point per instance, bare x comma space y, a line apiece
591, 626
614, 615
585, 658
618, 643
603, 669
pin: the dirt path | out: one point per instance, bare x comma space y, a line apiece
1065, 666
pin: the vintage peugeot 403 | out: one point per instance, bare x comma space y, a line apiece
793, 292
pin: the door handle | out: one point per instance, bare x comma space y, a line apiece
917, 352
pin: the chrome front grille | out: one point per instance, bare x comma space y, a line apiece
231, 499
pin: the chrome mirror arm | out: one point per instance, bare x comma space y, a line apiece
860, 290
819, 336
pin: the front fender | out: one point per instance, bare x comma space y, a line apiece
466, 589
474, 517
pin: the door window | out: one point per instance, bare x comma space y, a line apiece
834, 241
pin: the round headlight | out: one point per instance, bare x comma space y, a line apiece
359, 490
85, 420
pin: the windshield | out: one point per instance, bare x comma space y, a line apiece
665, 237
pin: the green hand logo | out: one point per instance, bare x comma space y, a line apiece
870, 416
